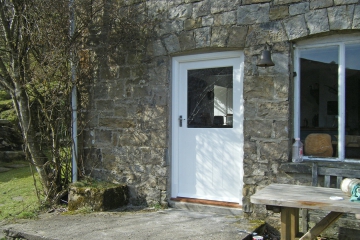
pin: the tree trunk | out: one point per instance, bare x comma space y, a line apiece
31, 144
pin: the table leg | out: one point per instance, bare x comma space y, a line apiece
321, 226
289, 223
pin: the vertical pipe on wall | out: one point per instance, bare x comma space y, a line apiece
73, 96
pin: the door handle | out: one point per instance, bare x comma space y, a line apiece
180, 120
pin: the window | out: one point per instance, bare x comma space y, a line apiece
327, 98
210, 98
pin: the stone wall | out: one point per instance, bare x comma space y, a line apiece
10, 142
127, 140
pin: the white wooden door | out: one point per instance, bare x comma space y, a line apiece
207, 126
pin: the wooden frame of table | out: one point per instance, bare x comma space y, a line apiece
288, 199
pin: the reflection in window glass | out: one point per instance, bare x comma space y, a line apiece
323, 107
352, 102
319, 100
210, 98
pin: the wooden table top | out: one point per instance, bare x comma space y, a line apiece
298, 196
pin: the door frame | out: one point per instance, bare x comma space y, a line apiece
174, 144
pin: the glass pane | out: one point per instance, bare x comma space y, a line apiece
210, 98
352, 111
319, 101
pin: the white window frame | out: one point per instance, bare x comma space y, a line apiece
335, 40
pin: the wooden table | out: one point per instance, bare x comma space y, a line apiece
288, 199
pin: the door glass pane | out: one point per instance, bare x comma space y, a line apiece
210, 98
319, 101
352, 111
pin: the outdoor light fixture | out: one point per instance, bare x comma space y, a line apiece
265, 59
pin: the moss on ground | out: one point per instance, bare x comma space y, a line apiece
92, 183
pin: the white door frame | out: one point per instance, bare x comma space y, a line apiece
176, 61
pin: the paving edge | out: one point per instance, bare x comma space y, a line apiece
15, 234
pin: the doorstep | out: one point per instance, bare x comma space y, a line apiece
206, 206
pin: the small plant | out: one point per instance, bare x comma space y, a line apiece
82, 210
27, 215
158, 206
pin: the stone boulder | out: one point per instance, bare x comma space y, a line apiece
97, 198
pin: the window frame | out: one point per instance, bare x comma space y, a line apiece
335, 40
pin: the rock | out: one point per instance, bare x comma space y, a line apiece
255, 13
98, 198
18, 199
3, 169
9, 156
4, 122
16, 165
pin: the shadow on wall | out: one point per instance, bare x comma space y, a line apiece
348, 233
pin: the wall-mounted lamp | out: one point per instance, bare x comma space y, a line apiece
265, 59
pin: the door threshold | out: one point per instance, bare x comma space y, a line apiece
207, 202
203, 205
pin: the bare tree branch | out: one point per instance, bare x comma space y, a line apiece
5, 77
6, 24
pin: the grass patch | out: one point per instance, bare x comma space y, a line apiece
9, 115
17, 194
4, 95
6, 105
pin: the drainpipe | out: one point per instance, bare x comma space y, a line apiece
73, 96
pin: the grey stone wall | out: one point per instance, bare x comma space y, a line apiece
10, 142
127, 140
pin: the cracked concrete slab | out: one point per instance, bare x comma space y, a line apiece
164, 224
